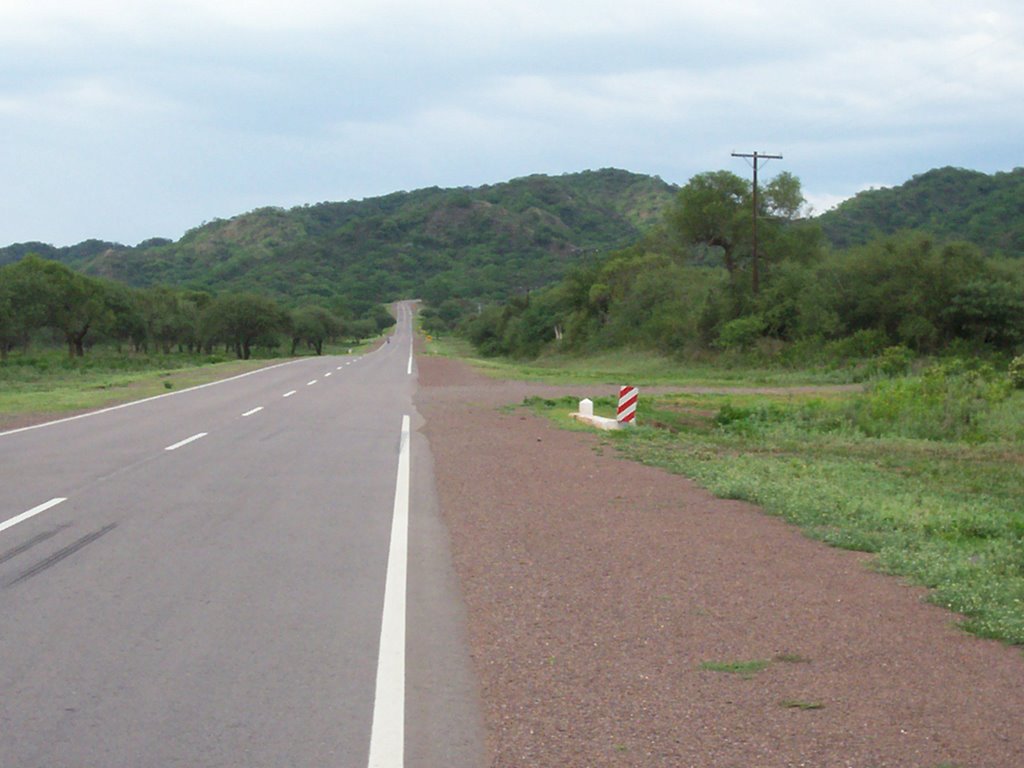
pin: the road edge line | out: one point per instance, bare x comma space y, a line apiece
118, 407
387, 734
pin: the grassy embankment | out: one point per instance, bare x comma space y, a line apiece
47, 384
925, 470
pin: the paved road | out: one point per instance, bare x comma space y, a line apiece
199, 580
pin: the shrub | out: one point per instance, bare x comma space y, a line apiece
895, 361
1017, 372
741, 333
748, 420
862, 343
947, 402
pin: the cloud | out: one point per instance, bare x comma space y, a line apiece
276, 102
81, 101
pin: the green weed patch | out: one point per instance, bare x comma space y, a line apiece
801, 704
745, 669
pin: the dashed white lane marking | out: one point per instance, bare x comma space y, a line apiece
327, 374
186, 441
254, 410
311, 383
145, 400
387, 735
288, 394
31, 513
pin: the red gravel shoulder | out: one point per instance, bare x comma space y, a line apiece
596, 588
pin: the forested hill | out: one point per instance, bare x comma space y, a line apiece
481, 243
950, 203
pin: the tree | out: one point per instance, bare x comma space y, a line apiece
486, 331
127, 323
313, 325
447, 316
29, 296
990, 311
172, 317
7, 318
77, 305
381, 317
907, 287
712, 210
241, 320
781, 198
797, 303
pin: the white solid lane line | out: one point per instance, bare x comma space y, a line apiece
254, 410
31, 513
186, 441
387, 734
288, 394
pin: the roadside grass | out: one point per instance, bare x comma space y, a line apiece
447, 346
47, 383
942, 513
636, 368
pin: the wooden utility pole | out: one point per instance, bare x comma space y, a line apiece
757, 157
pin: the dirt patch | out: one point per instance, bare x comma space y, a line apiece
608, 602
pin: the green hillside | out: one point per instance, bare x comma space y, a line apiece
949, 203
481, 243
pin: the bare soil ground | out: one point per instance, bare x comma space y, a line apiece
596, 588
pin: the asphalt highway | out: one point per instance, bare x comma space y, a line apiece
199, 579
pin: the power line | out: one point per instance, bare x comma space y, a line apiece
757, 157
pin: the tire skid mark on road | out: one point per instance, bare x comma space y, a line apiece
38, 539
84, 541
61, 554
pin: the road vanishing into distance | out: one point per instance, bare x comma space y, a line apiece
249, 573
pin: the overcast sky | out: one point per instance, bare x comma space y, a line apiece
128, 119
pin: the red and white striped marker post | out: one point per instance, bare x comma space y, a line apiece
627, 405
